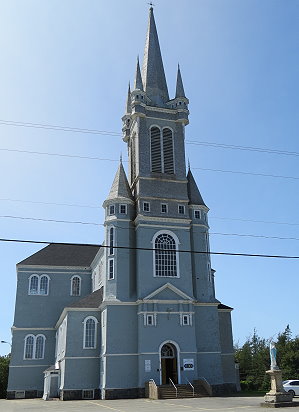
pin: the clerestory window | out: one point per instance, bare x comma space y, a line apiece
165, 255
162, 156
75, 286
39, 285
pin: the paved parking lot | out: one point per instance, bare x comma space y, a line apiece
237, 404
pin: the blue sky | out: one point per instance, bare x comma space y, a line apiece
68, 63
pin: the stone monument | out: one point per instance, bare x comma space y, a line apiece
277, 397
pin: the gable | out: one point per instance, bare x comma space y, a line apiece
168, 292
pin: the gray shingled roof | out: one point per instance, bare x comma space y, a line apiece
63, 255
91, 301
193, 191
153, 74
120, 188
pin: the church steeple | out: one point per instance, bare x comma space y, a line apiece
153, 75
138, 80
180, 92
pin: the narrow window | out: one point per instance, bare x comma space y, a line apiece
165, 255
123, 209
75, 286
186, 320
39, 347
29, 346
197, 214
111, 241
33, 285
146, 206
168, 152
89, 333
163, 208
156, 150
111, 210
111, 269
44, 285
150, 320
181, 210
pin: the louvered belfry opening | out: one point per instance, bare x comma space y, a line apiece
168, 151
156, 150
161, 151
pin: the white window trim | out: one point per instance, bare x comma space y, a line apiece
38, 285
197, 210
187, 316
111, 214
34, 346
71, 291
114, 240
184, 209
126, 209
149, 207
109, 260
95, 332
153, 316
164, 204
177, 242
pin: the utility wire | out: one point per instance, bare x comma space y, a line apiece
109, 133
100, 207
124, 228
150, 249
116, 160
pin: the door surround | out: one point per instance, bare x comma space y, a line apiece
177, 358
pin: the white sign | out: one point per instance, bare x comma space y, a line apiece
188, 364
147, 365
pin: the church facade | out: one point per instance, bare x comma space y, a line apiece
101, 321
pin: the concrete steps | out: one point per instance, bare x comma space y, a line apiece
183, 391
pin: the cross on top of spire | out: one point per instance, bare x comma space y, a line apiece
151, 4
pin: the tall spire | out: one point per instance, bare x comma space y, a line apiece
153, 75
138, 80
128, 105
180, 92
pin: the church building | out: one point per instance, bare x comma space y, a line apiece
139, 311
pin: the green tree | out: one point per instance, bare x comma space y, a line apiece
4, 364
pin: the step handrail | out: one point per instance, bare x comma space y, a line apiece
176, 389
189, 383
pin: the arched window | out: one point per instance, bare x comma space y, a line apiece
33, 284
75, 286
165, 255
29, 347
44, 281
90, 326
34, 347
168, 151
162, 157
39, 347
156, 150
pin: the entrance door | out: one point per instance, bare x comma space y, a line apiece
169, 364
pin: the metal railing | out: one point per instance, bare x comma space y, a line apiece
189, 383
176, 389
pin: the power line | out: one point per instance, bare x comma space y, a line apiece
117, 160
123, 228
100, 207
43, 242
110, 133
